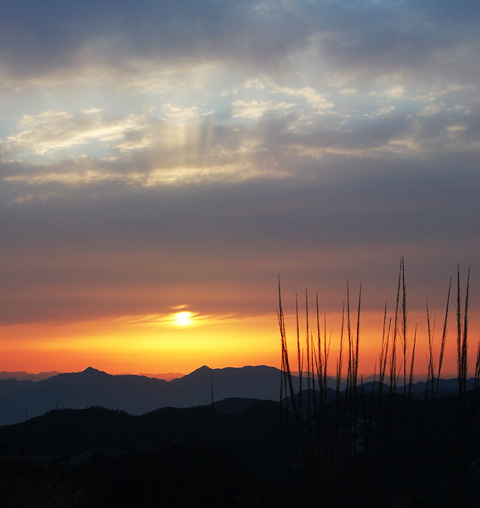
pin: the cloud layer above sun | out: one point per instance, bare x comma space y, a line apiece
161, 154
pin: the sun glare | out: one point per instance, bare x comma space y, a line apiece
183, 318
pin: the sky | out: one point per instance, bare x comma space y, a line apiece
159, 158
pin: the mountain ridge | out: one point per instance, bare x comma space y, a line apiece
20, 400
21, 375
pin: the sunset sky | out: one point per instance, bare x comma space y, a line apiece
165, 157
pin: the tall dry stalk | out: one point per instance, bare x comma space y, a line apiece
359, 446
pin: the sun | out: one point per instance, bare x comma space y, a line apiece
183, 318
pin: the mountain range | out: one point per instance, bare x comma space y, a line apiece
22, 399
22, 375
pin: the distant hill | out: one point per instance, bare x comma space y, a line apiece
442, 387
167, 376
135, 394
22, 376
21, 400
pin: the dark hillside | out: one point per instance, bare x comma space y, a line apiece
168, 457
68, 432
171, 473
372, 450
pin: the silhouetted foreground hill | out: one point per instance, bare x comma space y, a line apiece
171, 473
371, 451
69, 432
168, 457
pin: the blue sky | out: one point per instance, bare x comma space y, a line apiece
163, 154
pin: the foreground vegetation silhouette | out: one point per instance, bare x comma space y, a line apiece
376, 444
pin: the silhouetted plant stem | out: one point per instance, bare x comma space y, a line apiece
374, 448
477, 370
444, 337
462, 360
214, 439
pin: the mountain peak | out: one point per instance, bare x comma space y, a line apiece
201, 370
91, 370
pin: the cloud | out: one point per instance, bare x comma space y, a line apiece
191, 151
38, 39
364, 37
395, 37
132, 253
256, 109
51, 131
134, 151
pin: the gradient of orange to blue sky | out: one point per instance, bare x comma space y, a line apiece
160, 158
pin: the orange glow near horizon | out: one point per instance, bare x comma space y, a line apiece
142, 344
156, 345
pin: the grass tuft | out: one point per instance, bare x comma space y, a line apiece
379, 445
